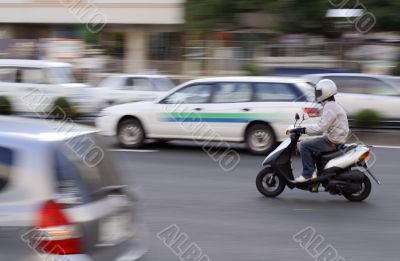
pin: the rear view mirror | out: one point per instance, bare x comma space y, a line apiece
297, 117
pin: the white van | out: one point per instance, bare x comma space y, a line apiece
34, 85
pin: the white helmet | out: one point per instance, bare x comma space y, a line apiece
325, 89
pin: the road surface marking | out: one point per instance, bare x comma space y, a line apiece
302, 209
142, 151
385, 147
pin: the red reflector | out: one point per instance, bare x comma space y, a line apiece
311, 111
60, 247
54, 233
364, 156
51, 215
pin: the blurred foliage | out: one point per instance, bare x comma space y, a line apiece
88, 36
295, 16
5, 106
396, 69
386, 13
206, 15
253, 69
367, 118
62, 109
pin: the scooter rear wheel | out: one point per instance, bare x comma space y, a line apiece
269, 184
363, 193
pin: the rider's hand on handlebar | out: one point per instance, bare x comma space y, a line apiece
300, 130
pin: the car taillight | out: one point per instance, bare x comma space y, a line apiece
311, 111
364, 156
54, 233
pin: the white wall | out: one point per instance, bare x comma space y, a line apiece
96, 11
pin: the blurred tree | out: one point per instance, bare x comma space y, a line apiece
301, 16
206, 15
295, 16
386, 13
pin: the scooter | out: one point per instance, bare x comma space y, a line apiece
342, 172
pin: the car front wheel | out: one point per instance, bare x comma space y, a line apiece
260, 139
131, 133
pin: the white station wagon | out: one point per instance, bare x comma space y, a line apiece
254, 110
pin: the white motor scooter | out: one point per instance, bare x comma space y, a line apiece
342, 172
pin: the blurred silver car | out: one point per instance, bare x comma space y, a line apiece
61, 197
124, 88
358, 91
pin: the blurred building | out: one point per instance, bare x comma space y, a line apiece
125, 28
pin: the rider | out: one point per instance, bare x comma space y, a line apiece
333, 125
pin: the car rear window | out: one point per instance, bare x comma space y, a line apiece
6, 163
80, 175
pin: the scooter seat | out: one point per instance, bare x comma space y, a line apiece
330, 155
342, 149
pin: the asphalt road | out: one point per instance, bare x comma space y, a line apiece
229, 220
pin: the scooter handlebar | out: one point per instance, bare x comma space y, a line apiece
298, 130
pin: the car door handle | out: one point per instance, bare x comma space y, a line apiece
198, 109
245, 109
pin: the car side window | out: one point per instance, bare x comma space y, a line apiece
378, 87
138, 84
348, 84
193, 94
268, 92
6, 163
8, 74
33, 75
232, 92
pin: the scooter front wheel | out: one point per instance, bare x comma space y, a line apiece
269, 183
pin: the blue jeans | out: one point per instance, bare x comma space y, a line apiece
308, 150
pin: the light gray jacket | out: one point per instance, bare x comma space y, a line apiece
333, 124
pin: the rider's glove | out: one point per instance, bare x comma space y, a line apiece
300, 130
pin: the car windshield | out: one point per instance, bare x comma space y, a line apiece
163, 84
61, 75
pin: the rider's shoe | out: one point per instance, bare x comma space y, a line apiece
301, 179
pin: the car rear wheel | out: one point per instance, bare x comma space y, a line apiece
131, 133
260, 139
